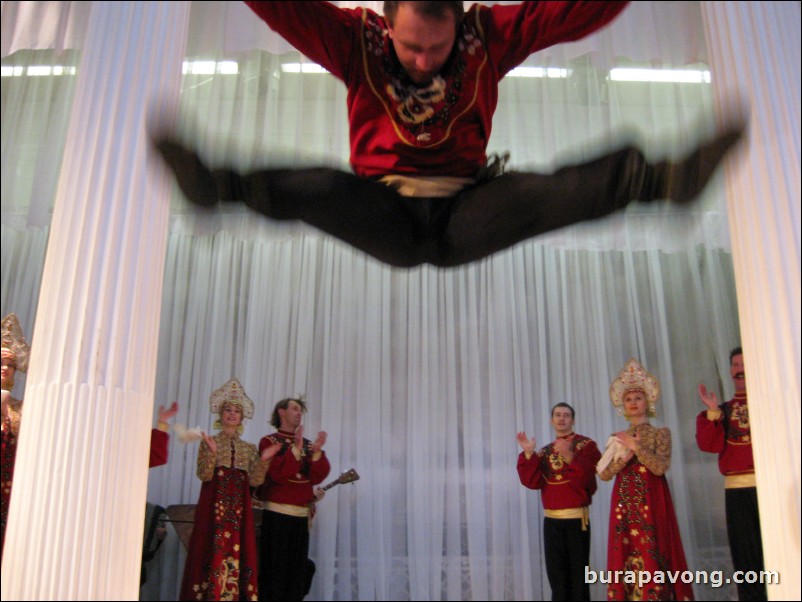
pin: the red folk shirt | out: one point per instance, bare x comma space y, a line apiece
563, 485
159, 441
290, 479
440, 128
728, 435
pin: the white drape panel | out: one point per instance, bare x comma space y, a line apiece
57, 25
422, 377
74, 524
764, 201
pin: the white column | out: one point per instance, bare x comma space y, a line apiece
76, 518
755, 49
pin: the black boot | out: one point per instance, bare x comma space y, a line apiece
683, 180
200, 185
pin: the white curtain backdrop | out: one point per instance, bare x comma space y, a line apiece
421, 377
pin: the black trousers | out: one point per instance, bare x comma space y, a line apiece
746, 543
491, 215
285, 571
567, 549
486, 217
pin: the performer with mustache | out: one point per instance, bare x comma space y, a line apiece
724, 430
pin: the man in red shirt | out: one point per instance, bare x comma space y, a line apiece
285, 570
422, 90
160, 436
724, 430
565, 472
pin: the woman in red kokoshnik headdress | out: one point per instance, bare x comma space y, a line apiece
221, 556
16, 353
643, 535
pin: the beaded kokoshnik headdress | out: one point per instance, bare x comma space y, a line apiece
634, 376
14, 344
231, 393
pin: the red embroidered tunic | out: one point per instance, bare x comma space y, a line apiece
290, 479
441, 128
728, 435
563, 485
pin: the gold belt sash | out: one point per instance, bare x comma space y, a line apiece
288, 509
582, 513
739, 481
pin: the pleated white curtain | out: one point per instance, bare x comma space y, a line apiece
422, 377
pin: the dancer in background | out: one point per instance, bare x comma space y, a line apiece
724, 430
15, 355
565, 472
285, 569
643, 534
221, 556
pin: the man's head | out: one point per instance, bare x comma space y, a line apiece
737, 370
423, 35
288, 414
562, 419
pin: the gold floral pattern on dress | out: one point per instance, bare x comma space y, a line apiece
245, 457
654, 452
14, 414
9, 455
634, 523
228, 579
225, 577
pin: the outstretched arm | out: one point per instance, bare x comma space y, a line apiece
526, 444
513, 32
529, 472
710, 431
159, 439
321, 31
165, 415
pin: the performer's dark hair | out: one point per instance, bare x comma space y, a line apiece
563, 405
735, 351
275, 420
437, 10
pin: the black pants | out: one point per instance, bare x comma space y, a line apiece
285, 571
567, 549
746, 544
491, 215
480, 220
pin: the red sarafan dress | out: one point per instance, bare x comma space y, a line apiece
644, 535
11, 423
221, 557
